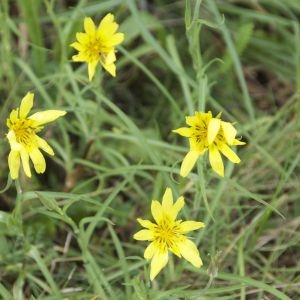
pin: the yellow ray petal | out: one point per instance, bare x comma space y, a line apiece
189, 162
229, 132
77, 46
237, 142
38, 160
188, 226
167, 202
82, 38
79, 57
190, 252
145, 223
89, 26
26, 105
107, 26
213, 129
92, 68
156, 210
183, 131
115, 40
14, 115
14, 145
111, 69
230, 154
215, 160
14, 164
25, 162
110, 58
175, 249
191, 120
158, 262
150, 251
47, 116
44, 145
178, 205
144, 235
199, 146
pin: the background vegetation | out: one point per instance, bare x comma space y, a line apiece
71, 235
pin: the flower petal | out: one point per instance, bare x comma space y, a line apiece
229, 132
150, 251
77, 46
25, 162
47, 116
190, 252
107, 26
191, 120
175, 249
189, 162
183, 131
38, 160
26, 105
145, 223
188, 226
115, 40
156, 210
167, 202
44, 145
158, 262
144, 235
237, 142
89, 26
213, 129
110, 58
82, 38
14, 145
230, 154
111, 69
92, 68
79, 57
178, 205
215, 160
14, 164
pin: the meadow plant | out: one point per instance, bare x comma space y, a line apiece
212, 134
97, 45
24, 142
168, 234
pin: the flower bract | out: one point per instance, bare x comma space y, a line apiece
212, 134
168, 234
24, 142
97, 44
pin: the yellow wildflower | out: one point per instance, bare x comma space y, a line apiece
24, 142
97, 45
168, 234
212, 134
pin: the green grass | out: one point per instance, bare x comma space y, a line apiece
67, 234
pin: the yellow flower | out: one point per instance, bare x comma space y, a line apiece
212, 134
97, 45
24, 142
168, 234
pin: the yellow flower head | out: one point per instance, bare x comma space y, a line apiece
167, 234
24, 142
212, 134
97, 45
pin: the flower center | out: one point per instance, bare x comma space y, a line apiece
220, 139
200, 133
94, 49
166, 234
24, 131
